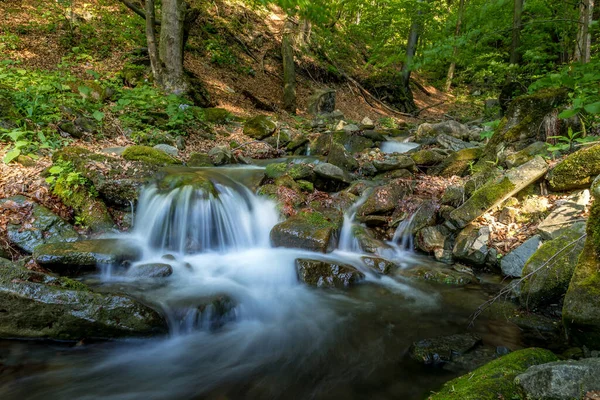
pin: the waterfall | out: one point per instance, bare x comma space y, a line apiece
348, 241
403, 239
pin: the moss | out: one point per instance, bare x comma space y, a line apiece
458, 163
427, 157
90, 211
578, 170
318, 220
216, 115
199, 160
259, 127
275, 170
194, 180
148, 155
300, 171
496, 379
306, 186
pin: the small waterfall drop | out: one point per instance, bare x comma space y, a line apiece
348, 241
403, 239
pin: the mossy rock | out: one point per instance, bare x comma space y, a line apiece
427, 158
310, 230
40, 306
577, 170
441, 275
91, 211
554, 262
581, 309
134, 75
338, 156
494, 380
259, 127
199, 160
353, 143
324, 274
383, 200
216, 115
296, 171
521, 157
195, 180
458, 163
148, 155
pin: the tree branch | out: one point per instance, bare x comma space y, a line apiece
134, 8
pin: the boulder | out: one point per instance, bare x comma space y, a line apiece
259, 127
576, 171
521, 157
216, 115
199, 160
453, 195
148, 155
297, 171
581, 309
451, 143
167, 149
391, 163
512, 264
451, 128
436, 240
153, 270
494, 380
40, 306
367, 124
561, 380
437, 274
353, 143
338, 156
367, 242
68, 258
442, 349
324, 274
322, 102
471, 245
41, 226
330, 177
564, 216
495, 191
427, 158
220, 155
552, 267
457, 163
382, 200
378, 264
312, 230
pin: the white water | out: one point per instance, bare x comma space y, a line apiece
393, 146
403, 238
348, 242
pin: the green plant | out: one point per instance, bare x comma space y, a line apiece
63, 172
219, 53
567, 143
387, 122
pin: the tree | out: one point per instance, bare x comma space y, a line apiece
584, 37
461, 12
289, 70
515, 55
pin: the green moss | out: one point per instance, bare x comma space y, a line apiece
259, 127
199, 160
427, 157
90, 211
318, 220
306, 186
300, 171
578, 170
216, 115
494, 380
194, 180
275, 170
148, 155
458, 163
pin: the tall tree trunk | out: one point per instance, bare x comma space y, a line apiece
156, 65
289, 69
515, 55
461, 11
171, 46
584, 37
411, 49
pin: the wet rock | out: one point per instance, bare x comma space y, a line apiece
521, 157
436, 240
313, 230
394, 163
68, 258
199, 160
42, 227
564, 216
450, 143
497, 190
554, 262
330, 177
495, 379
424, 216
443, 348
259, 127
471, 245
378, 264
338, 156
576, 171
561, 380
220, 155
322, 102
154, 270
40, 306
452, 128
167, 149
442, 275
457, 163
382, 200
367, 242
427, 158
512, 264
324, 274
148, 155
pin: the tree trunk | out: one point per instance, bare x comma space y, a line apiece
515, 55
289, 70
171, 46
411, 49
461, 11
156, 65
584, 37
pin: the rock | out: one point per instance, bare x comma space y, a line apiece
322, 102
427, 158
74, 257
554, 262
561, 380
199, 160
259, 127
114, 150
327, 275
330, 177
576, 171
367, 123
351, 128
353, 143
436, 240
281, 140
480, 178
494, 380
378, 264
454, 196
457, 163
40, 306
450, 128
375, 136
581, 309
220, 155
441, 275
338, 156
564, 216
394, 163
595, 188
521, 157
424, 216
71, 129
314, 231
382, 200
149, 155
442, 349
216, 115
497, 190
367, 242
42, 226
180, 143
155, 270
471, 245
508, 215
450, 143
512, 264
521, 125
167, 149
297, 171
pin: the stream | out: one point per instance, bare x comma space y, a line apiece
242, 326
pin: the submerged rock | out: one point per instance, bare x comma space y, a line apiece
378, 264
40, 306
327, 275
561, 380
494, 380
576, 171
442, 348
67, 258
154, 270
312, 230
443, 275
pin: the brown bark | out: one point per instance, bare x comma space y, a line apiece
515, 55
155, 63
584, 38
289, 69
171, 46
452, 68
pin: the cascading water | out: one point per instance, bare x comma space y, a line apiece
403, 239
348, 241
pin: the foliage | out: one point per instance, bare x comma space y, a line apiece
63, 173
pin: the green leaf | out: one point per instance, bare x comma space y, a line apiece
11, 155
56, 169
593, 108
566, 114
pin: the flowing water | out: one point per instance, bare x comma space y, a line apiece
268, 336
